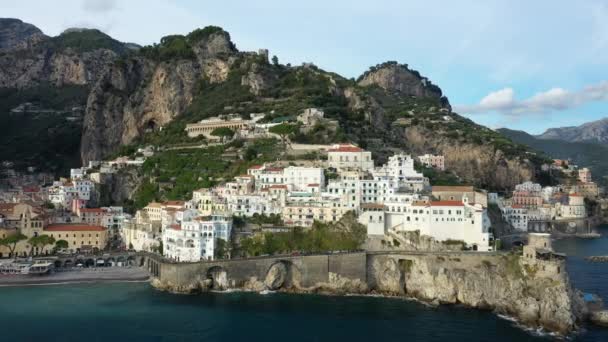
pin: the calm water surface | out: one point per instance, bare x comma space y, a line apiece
136, 312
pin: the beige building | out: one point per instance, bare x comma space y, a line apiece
348, 156
457, 193
303, 214
205, 127
79, 236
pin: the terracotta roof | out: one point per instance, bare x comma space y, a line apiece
313, 184
447, 204
575, 195
274, 169
73, 227
256, 167
372, 206
92, 210
278, 186
453, 188
176, 227
174, 203
346, 148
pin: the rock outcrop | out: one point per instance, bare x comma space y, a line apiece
17, 35
395, 77
140, 94
31, 58
504, 284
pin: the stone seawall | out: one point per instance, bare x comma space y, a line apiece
537, 293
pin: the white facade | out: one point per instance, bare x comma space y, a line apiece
195, 240
434, 161
298, 178
445, 220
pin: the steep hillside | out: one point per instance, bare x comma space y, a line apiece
592, 132
147, 95
44, 84
585, 154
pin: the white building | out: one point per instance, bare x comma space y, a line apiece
517, 216
348, 156
575, 207
78, 173
298, 178
195, 240
444, 220
399, 170
434, 161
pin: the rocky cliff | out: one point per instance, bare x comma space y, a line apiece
142, 94
30, 58
536, 293
15, 34
395, 77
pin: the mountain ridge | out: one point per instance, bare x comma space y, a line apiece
185, 78
593, 131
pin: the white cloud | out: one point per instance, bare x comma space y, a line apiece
556, 99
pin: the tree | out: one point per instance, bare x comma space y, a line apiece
222, 248
40, 241
11, 242
275, 60
223, 133
283, 131
61, 244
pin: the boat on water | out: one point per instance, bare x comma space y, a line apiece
16, 267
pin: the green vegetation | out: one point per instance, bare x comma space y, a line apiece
174, 174
60, 244
170, 47
587, 154
513, 266
222, 249
321, 237
40, 241
11, 242
85, 40
224, 133
260, 220
46, 140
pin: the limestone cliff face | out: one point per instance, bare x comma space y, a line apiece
391, 76
30, 58
481, 164
140, 94
504, 284
15, 34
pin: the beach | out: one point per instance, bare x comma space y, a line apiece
84, 275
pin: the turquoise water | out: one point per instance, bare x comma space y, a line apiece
136, 312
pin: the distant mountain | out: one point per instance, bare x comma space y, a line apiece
593, 132
587, 154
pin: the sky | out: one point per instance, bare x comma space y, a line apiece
527, 65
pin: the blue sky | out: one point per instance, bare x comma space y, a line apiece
525, 65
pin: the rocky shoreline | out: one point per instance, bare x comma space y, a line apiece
536, 295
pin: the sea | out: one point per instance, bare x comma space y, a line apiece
134, 311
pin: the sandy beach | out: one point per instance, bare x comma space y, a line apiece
86, 275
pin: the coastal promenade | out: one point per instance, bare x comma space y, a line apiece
81, 275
